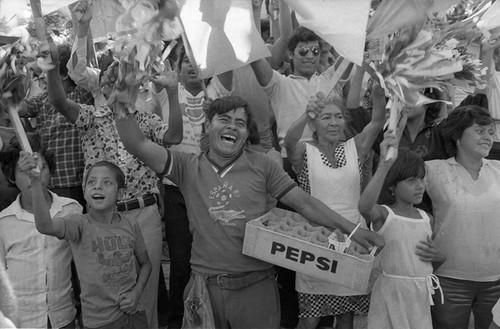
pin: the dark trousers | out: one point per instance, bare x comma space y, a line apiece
138, 320
289, 299
71, 325
179, 241
461, 298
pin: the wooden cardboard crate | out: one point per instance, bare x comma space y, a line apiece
352, 271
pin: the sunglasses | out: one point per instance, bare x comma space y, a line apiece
304, 50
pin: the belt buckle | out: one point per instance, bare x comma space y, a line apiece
218, 280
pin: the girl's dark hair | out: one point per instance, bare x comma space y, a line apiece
408, 164
9, 157
461, 118
119, 175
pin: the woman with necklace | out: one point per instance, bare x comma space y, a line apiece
464, 191
330, 169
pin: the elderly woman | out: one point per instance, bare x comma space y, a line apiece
330, 170
465, 192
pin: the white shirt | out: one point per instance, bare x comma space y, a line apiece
38, 265
289, 96
466, 218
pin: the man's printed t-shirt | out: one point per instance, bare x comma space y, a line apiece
105, 257
220, 201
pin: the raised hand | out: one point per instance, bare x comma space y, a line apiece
390, 141
167, 79
28, 163
315, 105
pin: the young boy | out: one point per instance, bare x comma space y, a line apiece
38, 266
105, 246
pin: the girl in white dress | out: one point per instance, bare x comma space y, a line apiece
401, 295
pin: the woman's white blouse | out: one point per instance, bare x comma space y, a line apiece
467, 218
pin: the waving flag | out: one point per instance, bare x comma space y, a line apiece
222, 34
341, 23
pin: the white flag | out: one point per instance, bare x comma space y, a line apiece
341, 23
222, 34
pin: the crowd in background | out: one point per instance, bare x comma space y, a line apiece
81, 218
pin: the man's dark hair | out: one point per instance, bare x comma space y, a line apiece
302, 34
230, 103
118, 173
9, 157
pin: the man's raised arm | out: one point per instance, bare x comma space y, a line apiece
55, 90
152, 154
263, 71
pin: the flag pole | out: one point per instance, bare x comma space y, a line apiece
341, 69
19, 129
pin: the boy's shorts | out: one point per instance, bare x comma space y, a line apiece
137, 320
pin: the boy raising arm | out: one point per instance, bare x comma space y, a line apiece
105, 245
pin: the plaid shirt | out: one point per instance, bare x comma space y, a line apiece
61, 137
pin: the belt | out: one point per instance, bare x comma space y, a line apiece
140, 202
240, 280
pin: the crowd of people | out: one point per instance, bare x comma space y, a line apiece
81, 217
